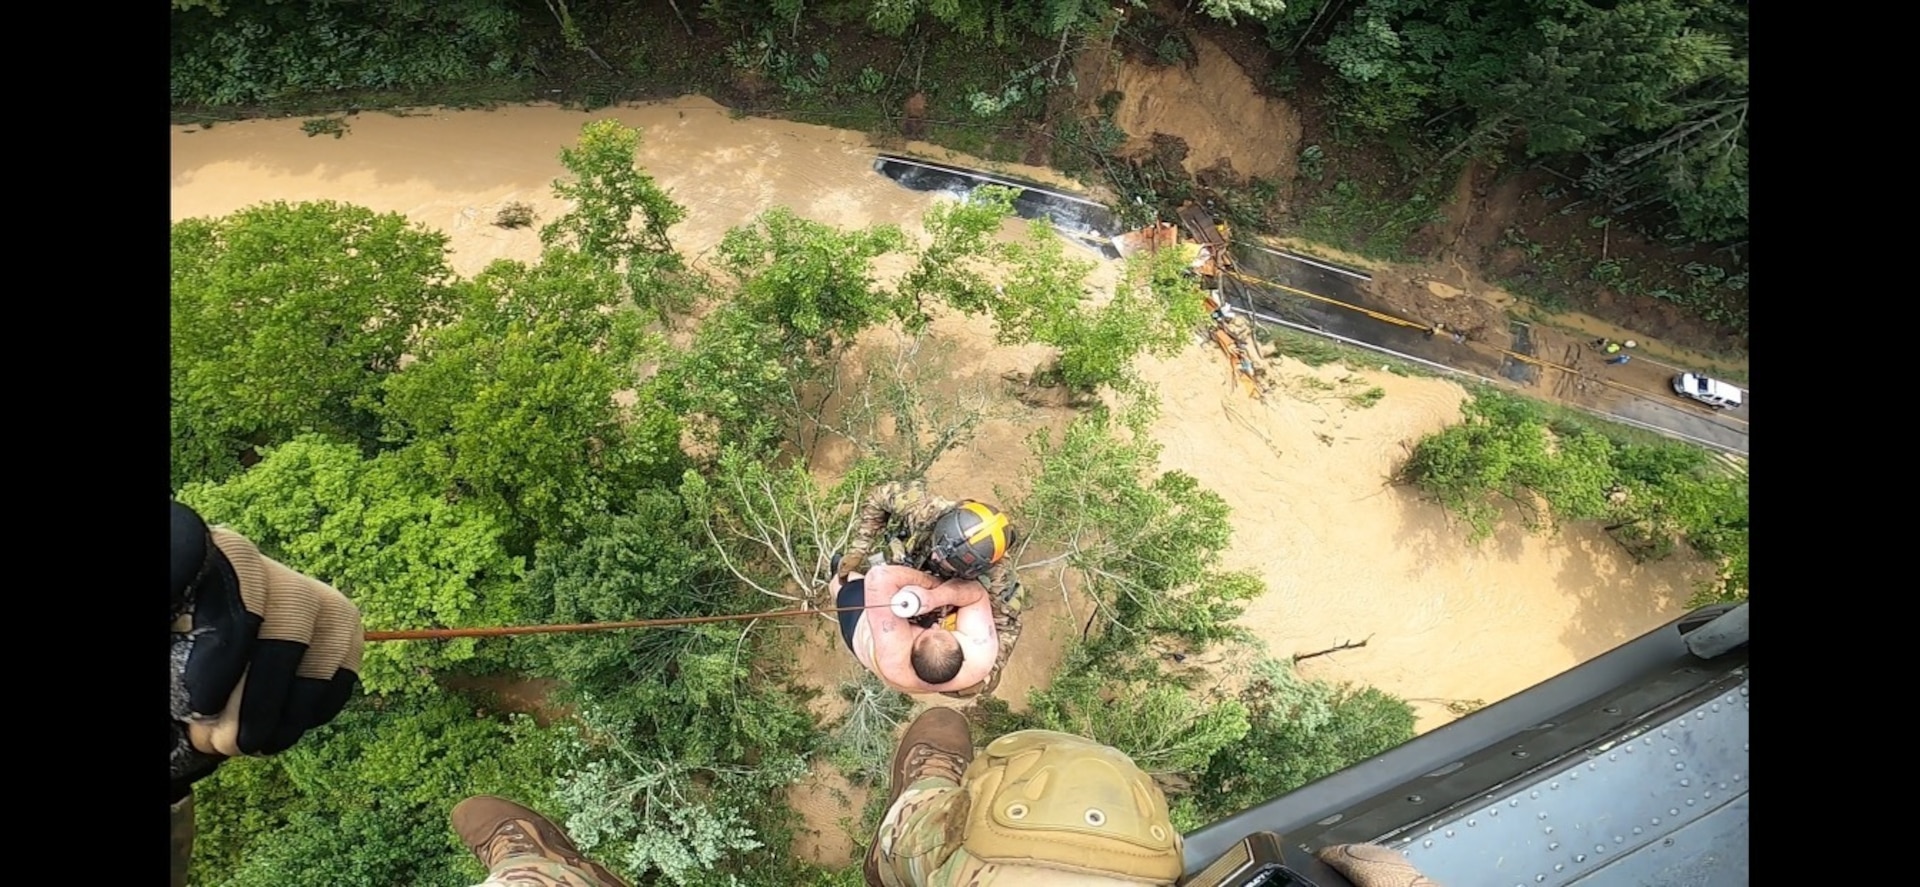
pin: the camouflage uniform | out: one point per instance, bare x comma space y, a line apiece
921, 839
915, 841
536, 871
899, 516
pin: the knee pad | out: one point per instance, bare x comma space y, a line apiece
1058, 801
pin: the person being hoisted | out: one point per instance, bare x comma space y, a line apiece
902, 523
890, 637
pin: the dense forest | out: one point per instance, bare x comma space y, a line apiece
609, 433
1630, 114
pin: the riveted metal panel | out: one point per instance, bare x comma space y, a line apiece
1708, 852
1639, 803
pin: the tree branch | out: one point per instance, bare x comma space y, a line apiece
1349, 645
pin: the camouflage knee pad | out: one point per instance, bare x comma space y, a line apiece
1050, 800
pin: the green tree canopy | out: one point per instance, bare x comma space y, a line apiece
1166, 728
1146, 541
951, 268
644, 564
1652, 91
1552, 468
811, 281
364, 800
733, 383
620, 215
286, 317
1155, 310
406, 556
514, 406
686, 735
1300, 731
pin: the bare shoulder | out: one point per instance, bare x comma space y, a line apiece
886, 579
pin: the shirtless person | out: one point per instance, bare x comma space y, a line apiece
953, 654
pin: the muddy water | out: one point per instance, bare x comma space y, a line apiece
454, 170
1347, 558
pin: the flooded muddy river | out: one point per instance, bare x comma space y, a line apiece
1346, 557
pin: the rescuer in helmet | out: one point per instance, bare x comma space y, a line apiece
901, 523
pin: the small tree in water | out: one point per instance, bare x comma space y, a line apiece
620, 214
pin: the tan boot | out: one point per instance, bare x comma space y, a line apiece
496, 828
937, 743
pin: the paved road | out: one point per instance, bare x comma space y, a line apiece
1090, 223
1656, 410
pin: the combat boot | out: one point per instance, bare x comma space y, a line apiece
496, 829
937, 743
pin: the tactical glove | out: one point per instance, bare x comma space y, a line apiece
847, 565
1371, 865
261, 654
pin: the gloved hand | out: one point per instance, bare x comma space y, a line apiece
850, 564
261, 654
1371, 865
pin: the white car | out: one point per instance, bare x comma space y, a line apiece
1712, 392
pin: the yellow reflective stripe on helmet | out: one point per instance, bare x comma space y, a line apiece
990, 523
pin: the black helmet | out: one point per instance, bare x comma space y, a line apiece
969, 539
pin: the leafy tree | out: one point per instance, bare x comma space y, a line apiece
1694, 158
911, 407
810, 281
285, 319
1556, 469
863, 741
1010, 22
1501, 453
1043, 289
620, 215
647, 810
1230, 11
1166, 728
364, 800
1154, 310
736, 382
696, 688
951, 268
762, 366
684, 734
1673, 493
407, 557
1652, 92
514, 407
237, 52
647, 563
774, 527
1145, 541
1300, 731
